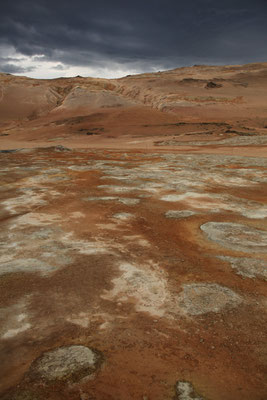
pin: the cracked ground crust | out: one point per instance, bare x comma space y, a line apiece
120, 272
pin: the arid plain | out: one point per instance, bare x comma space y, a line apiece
133, 236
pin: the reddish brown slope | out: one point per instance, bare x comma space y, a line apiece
146, 105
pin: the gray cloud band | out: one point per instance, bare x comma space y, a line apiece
145, 34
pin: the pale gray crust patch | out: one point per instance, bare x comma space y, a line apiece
70, 363
247, 267
202, 298
236, 236
178, 214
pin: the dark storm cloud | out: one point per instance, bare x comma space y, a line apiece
8, 65
14, 69
147, 32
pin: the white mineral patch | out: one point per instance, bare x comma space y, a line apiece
27, 265
118, 189
129, 202
123, 216
199, 200
255, 213
119, 178
77, 214
227, 180
82, 319
137, 239
14, 320
84, 246
149, 187
185, 391
14, 332
25, 201
35, 219
42, 178
171, 197
142, 286
80, 168
216, 203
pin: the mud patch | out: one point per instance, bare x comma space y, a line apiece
202, 298
103, 198
22, 395
178, 214
126, 201
247, 267
236, 236
70, 363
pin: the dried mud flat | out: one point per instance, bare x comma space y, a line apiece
132, 275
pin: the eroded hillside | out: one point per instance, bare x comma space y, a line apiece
154, 104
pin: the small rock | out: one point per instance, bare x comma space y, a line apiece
213, 85
61, 148
56, 148
9, 151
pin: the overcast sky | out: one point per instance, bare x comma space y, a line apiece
113, 38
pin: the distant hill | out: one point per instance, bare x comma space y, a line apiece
136, 104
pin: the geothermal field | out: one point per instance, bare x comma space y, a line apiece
133, 240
